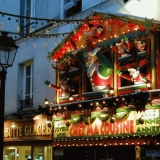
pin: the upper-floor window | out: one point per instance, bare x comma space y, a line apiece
25, 85
28, 81
72, 7
28, 10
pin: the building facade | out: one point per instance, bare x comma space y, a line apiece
46, 33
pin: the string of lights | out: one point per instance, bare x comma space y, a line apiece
37, 35
39, 19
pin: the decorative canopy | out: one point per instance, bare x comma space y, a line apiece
103, 30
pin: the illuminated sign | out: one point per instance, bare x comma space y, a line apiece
25, 132
137, 123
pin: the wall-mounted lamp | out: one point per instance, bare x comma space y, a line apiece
111, 91
148, 85
49, 121
46, 102
13, 125
70, 97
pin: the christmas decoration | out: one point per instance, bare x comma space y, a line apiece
99, 79
66, 88
135, 76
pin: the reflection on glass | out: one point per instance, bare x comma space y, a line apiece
38, 153
9, 154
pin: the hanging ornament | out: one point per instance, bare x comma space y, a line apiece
75, 30
47, 31
2, 25
45, 44
148, 24
106, 16
124, 19
55, 44
49, 57
35, 45
18, 28
31, 30
109, 29
55, 24
23, 44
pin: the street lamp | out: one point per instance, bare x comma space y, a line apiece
8, 50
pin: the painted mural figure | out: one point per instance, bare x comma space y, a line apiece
98, 68
65, 87
134, 75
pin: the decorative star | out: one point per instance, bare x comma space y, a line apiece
106, 16
2, 25
124, 20
35, 45
45, 44
148, 24
55, 44
90, 15
109, 29
75, 30
18, 28
47, 31
63, 42
23, 44
49, 57
55, 24
31, 30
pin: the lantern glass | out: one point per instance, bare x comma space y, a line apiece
8, 50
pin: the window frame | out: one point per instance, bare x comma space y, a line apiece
27, 24
24, 80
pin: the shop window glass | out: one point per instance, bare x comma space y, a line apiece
152, 154
38, 153
10, 154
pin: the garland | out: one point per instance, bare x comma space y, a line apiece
76, 118
103, 115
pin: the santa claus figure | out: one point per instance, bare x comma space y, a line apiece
65, 88
98, 68
134, 75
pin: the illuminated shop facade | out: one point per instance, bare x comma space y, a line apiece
107, 103
27, 139
113, 80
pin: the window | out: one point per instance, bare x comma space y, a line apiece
25, 86
27, 82
72, 7
28, 10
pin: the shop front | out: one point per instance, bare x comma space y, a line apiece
107, 89
126, 135
27, 140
